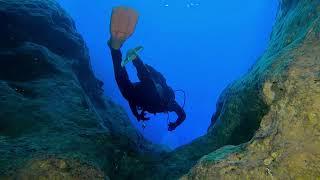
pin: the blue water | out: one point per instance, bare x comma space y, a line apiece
200, 46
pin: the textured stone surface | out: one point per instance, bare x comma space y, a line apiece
55, 123
283, 88
51, 104
52, 168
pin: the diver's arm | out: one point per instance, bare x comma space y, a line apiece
174, 107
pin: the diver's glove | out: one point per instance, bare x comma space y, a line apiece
141, 116
172, 126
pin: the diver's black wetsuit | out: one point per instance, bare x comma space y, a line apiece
151, 94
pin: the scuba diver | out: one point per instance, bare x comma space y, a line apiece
151, 94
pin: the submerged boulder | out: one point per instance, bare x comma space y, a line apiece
52, 108
279, 101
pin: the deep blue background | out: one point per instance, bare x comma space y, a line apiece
200, 46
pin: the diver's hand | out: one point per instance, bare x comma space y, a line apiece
172, 126
141, 116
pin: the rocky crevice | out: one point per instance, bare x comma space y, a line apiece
269, 115
266, 124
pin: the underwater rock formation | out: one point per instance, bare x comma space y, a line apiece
280, 98
55, 122
53, 112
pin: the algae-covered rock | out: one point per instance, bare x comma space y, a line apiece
52, 168
51, 104
56, 124
285, 81
221, 153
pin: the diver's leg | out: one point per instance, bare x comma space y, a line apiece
142, 70
121, 75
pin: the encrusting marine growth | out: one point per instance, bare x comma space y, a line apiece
55, 122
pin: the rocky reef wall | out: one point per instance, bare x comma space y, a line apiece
274, 109
56, 124
54, 120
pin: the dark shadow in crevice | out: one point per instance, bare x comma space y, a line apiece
250, 119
